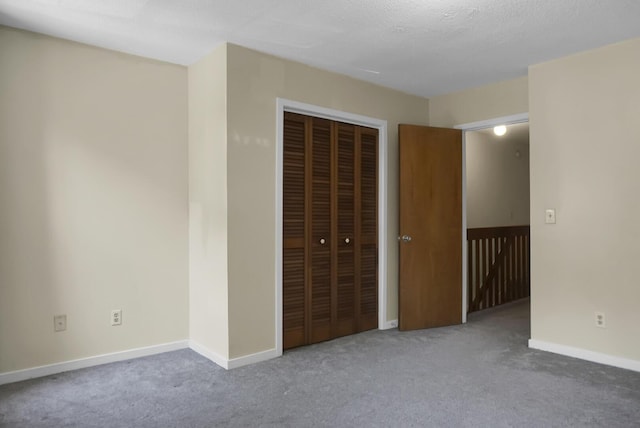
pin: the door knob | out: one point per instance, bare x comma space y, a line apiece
347, 240
322, 241
404, 238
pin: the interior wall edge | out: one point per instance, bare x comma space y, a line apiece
209, 354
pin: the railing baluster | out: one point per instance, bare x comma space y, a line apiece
494, 282
497, 245
487, 265
521, 266
511, 257
469, 273
476, 280
501, 274
516, 264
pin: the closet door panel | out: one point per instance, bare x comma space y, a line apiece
368, 229
293, 323
321, 240
369, 287
346, 237
293, 230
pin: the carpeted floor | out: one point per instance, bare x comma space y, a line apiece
476, 375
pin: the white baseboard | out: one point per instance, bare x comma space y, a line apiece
233, 363
389, 324
34, 372
209, 354
245, 360
583, 354
19, 375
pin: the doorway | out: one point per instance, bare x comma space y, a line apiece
329, 229
284, 105
432, 208
480, 214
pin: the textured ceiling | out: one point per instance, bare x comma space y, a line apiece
424, 47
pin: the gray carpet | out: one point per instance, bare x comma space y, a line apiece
478, 375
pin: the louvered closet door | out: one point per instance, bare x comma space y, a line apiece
346, 230
321, 236
368, 248
329, 229
294, 229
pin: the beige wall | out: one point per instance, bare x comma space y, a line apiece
93, 197
484, 102
584, 163
254, 82
497, 179
208, 293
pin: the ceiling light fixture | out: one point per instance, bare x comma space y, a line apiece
500, 130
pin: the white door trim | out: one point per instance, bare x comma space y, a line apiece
474, 126
283, 105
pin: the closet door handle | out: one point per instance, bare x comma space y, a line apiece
347, 240
322, 241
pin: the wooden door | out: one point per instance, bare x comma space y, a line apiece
367, 224
329, 229
322, 292
345, 263
430, 288
295, 228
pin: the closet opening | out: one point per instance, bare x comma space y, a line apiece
331, 271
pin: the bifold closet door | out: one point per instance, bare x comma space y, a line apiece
322, 297
329, 229
346, 242
367, 255
294, 229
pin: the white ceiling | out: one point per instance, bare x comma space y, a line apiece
423, 47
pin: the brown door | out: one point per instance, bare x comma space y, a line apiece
296, 168
329, 229
430, 288
367, 225
320, 267
345, 315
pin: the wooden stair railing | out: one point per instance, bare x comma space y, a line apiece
498, 271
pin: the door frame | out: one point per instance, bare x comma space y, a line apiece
465, 127
283, 105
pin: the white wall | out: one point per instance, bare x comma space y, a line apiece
585, 146
208, 278
93, 197
497, 178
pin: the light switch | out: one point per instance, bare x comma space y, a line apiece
550, 216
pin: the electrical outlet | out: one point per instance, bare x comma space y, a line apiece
59, 322
600, 320
116, 317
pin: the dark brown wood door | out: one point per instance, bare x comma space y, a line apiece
367, 217
430, 288
329, 229
320, 268
345, 243
296, 168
